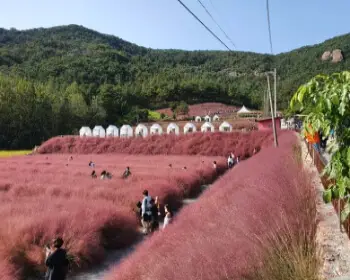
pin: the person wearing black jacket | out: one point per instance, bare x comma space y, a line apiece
56, 261
154, 211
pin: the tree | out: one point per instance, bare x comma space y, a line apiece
325, 100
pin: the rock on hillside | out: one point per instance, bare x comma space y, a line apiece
326, 55
337, 56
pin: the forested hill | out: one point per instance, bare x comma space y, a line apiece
71, 75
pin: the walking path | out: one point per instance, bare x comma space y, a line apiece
334, 244
117, 256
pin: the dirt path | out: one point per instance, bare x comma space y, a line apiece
334, 244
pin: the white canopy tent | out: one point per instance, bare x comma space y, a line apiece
207, 118
225, 127
112, 131
85, 131
189, 128
126, 131
141, 130
207, 127
243, 110
173, 128
156, 129
216, 118
99, 131
198, 119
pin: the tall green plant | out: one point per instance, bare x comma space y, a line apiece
325, 102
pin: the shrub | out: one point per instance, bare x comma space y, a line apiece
208, 144
216, 237
47, 195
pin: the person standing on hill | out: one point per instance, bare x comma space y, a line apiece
154, 215
168, 216
230, 161
56, 261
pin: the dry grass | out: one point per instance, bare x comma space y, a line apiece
14, 153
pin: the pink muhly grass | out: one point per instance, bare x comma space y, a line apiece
216, 237
43, 196
206, 144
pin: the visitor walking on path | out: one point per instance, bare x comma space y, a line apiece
230, 161
154, 215
146, 215
56, 261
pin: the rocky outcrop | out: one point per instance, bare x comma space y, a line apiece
326, 55
337, 56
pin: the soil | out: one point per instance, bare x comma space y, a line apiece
331, 238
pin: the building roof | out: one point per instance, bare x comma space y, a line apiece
266, 119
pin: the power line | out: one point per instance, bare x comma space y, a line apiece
200, 2
269, 24
207, 28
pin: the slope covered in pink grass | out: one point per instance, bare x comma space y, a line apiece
215, 237
43, 196
208, 144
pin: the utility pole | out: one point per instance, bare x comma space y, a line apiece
275, 89
272, 111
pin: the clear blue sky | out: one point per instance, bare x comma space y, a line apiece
166, 24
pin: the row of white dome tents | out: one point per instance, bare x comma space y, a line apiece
207, 118
142, 131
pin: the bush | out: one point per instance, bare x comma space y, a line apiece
208, 144
216, 237
44, 196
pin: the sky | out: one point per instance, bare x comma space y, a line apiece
164, 24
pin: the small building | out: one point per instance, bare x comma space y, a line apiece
126, 131
266, 123
173, 128
141, 131
99, 131
225, 127
207, 127
112, 131
189, 128
156, 129
85, 131
198, 119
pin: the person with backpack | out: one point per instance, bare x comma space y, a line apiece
146, 214
56, 261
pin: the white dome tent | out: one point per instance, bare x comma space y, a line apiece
207, 118
85, 131
99, 131
156, 129
173, 128
216, 118
207, 127
141, 130
198, 119
243, 110
112, 131
189, 128
225, 127
126, 131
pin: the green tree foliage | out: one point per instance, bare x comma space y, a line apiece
325, 100
79, 76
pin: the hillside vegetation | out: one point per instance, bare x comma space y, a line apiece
54, 80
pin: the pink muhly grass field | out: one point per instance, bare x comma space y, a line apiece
206, 144
215, 238
43, 196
